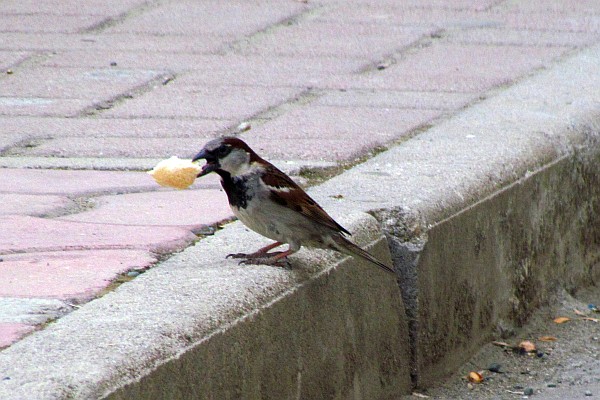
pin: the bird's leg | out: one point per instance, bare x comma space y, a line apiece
276, 258
258, 253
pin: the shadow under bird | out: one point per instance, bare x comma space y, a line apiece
270, 203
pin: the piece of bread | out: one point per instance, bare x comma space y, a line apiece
175, 172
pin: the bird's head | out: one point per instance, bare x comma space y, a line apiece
227, 154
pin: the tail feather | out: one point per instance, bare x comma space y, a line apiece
345, 246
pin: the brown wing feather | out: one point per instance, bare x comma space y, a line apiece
297, 199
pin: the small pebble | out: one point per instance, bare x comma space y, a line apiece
495, 367
133, 274
244, 126
540, 354
588, 393
528, 391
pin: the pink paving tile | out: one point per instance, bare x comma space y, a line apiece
35, 205
323, 133
74, 83
551, 20
46, 22
215, 69
113, 127
395, 99
115, 147
68, 7
459, 68
31, 234
401, 13
201, 101
238, 18
11, 332
42, 106
516, 37
10, 58
67, 275
192, 209
310, 39
584, 7
134, 43
65, 182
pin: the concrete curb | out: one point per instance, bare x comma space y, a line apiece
239, 331
485, 213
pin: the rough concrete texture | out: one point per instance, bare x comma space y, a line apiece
330, 326
502, 212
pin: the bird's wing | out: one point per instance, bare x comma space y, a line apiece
287, 193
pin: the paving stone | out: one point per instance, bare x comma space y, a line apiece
67, 275
553, 21
312, 38
333, 133
583, 7
48, 127
10, 58
35, 205
399, 13
8, 140
199, 101
30, 234
515, 37
459, 68
41, 106
395, 99
139, 43
212, 70
193, 209
11, 332
210, 17
114, 147
29, 311
31, 181
477, 5
75, 83
46, 22
68, 7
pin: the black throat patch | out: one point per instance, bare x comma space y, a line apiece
237, 189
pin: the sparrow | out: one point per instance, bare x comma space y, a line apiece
270, 203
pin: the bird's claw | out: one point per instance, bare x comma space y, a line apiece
237, 255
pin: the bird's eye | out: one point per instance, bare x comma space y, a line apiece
223, 151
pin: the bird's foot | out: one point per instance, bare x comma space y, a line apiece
262, 252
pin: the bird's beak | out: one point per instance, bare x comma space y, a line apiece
211, 163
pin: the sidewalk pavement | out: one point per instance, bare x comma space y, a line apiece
93, 94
